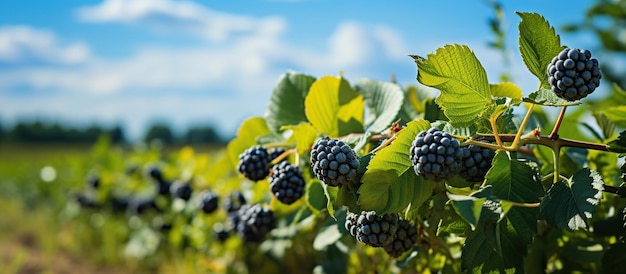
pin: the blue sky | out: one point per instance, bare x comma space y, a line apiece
133, 62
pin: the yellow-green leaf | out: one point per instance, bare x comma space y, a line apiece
249, 130
509, 90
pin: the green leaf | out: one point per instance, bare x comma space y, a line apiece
384, 101
327, 236
618, 145
315, 196
334, 108
514, 181
249, 130
468, 207
569, 204
390, 184
606, 125
545, 97
457, 73
305, 136
509, 90
616, 114
286, 105
538, 44
614, 258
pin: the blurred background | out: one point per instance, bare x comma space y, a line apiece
139, 67
85, 86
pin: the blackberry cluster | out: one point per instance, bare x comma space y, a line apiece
286, 182
234, 201
208, 202
404, 240
475, 163
351, 223
375, 230
275, 152
436, 155
181, 189
253, 222
254, 163
573, 74
334, 162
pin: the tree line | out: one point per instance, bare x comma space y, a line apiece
40, 132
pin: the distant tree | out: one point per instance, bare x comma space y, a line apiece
117, 135
202, 135
161, 132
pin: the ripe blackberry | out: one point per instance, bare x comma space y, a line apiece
181, 189
254, 163
351, 223
155, 173
436, 155
287, 183
405, 239
220, 232
375, 230
334, 162
234, 201
476, 162
573, 74
254, 222
163, 188
208, 202
275, 152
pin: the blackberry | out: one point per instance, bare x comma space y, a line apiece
476, 162
334, 162
254, 163
573, 74
435, 155
287, 183
220, 232
275, 152
155, 173
163, 188
181, 189
351, 223
375, 230
208, 202
405, 239
93, 181
234, 201
254, 222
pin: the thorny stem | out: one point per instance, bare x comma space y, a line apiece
555, 131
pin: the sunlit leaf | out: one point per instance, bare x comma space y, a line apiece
383, 100
286, 106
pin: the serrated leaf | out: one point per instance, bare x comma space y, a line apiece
305, 136
247, 133
383, 100
545, 97
286, 106
462, 80
538, 44
493, 248
568, 204
468, 207
334, 108
388, 184
618, 145
327, 236
509, 90
606, 125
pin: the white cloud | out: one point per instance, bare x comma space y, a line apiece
26, 44
176, 16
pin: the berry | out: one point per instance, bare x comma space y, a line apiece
93, 181
375, 230
476, 162
573, 74
405, 239
334, 162
491, 211
181, 190
234, 201
220, 232
163, 188
254, 222
287, 183
208, 202
436, 155
254, 163
351, 223
275, 152
155, 173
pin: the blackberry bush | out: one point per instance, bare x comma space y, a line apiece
334, 162
253, 222
254, 163
287, 183
375, 230
208, 202
436, 155
476, 162
404, 240
573, 74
